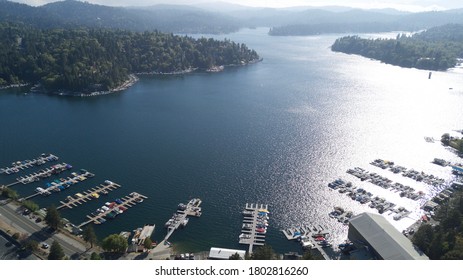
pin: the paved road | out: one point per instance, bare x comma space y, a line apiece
38, 231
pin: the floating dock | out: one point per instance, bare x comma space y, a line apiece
310, 237
95, 192
179, 219
111, 210
61, 184
24, 164
44, 173
255, 223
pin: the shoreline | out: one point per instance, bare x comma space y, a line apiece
14, 86
132, 79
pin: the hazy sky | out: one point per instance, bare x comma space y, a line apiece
410, 5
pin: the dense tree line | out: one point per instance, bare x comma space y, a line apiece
444, 241
86, 60
331, 27
435, 49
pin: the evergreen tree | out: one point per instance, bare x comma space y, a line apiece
235, 256
263, 253
89, 235
56, 252
53, 218
148, 243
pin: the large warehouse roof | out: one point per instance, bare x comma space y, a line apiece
386, 240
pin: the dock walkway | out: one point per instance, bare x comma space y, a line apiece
61, 184
179, 219
255, 222
44, 173
85, 196
307, 236
17, 166
124, 202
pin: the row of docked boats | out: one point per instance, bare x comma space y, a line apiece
255, 225
413, 174
180, 217
309, 237
24, 164
385, 183
362, 196
44, 173
108, 211
341, 215
64, 183
177, 220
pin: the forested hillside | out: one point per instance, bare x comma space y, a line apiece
165, 18
438, 48
88, 60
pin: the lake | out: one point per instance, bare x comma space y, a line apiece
276, 132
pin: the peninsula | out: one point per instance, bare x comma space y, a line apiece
85, 61
438, 48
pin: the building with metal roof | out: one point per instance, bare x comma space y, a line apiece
379, 237
224, 254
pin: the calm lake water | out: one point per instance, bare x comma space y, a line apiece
276, 132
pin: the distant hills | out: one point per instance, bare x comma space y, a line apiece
165, 18
222, 17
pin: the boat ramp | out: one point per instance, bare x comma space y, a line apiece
255, 223
180, 218
85, 196
112, 209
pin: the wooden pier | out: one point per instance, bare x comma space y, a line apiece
81, 198
179, 219
255, 224
124, 203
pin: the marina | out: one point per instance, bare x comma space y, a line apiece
111, 209
310, 238
17, 166
385, 183
255, 223
61, 184
410, 173
43, 173
278, 161
85, 196
180, 218
362, 196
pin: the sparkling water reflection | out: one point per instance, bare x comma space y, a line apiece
276, 132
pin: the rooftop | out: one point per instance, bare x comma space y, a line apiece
385, 239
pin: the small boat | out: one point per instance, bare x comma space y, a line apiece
261, 230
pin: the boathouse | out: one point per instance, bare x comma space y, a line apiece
374, 234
